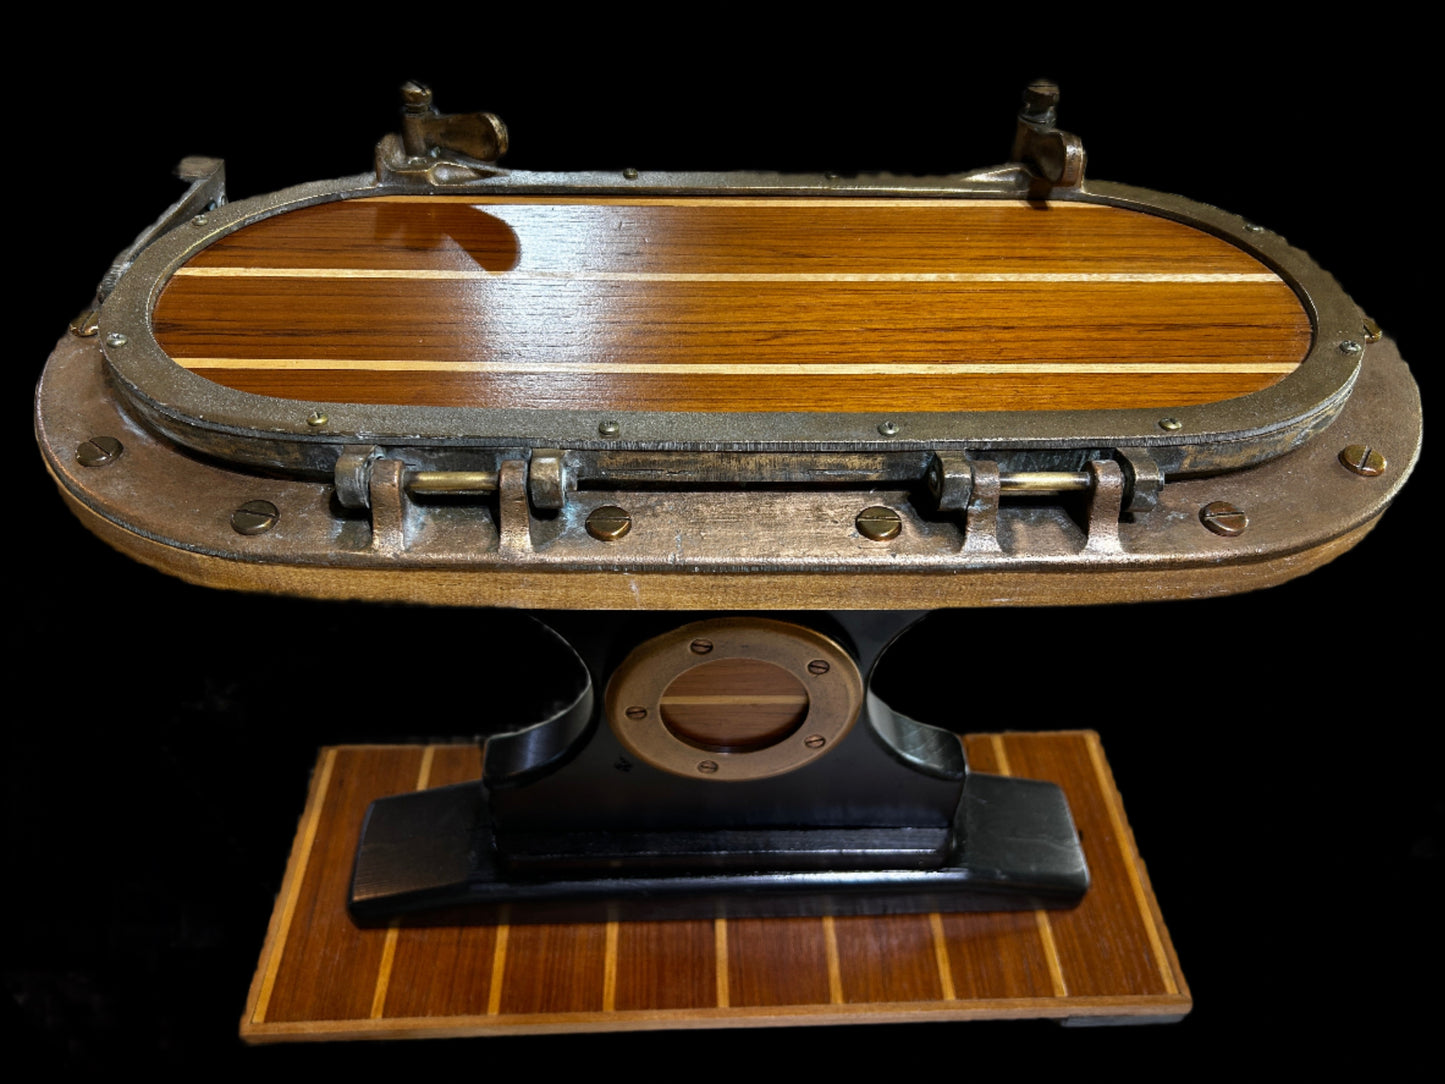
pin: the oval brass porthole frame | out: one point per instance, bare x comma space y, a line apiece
835, 690
275, 434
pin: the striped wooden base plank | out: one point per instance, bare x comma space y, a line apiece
737, 304
320, 977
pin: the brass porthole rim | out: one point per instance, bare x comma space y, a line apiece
835, 697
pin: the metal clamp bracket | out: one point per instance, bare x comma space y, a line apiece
1054, 157
439, 148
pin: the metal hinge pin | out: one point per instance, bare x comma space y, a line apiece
450, 481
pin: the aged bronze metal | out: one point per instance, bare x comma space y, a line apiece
833, 695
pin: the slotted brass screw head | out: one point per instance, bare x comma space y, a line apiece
1223, 518
255, 517
878, 523
1362, 459
98, 451
608, 523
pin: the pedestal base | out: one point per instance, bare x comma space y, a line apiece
320, 976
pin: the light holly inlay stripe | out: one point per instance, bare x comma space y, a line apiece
940, 956
292, 888
1125, 840
720, 960
958, 368
393, 929
480, 275
1041, 916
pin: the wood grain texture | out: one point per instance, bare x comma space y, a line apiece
1109, 944
329, 966
1109, 957
741, 304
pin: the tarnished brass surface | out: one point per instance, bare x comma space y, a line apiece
637, 708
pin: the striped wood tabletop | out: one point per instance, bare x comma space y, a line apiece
320, 977
731, 304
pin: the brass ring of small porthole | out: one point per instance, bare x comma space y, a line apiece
828, 674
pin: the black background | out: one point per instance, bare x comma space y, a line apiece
1272, 749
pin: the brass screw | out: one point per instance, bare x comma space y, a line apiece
630, 173
608, 523
115, 338
878, 523
316, 419
1349, 346
700, 647
255, 517
1170, 424
199, 221
818, 666
608, 429
98, 451
636, 712
888, 429
1362, 459
1223, 518
815, 741
1253, 227
707, 767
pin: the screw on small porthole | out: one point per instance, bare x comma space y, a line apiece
700, 647
878, 523
98, 451
1362, 459
255, 517
707, 767
1223, 518
637, 711
608, 523
818, 667
815, 741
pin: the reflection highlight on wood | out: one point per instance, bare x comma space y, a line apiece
320, 977
731, 304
